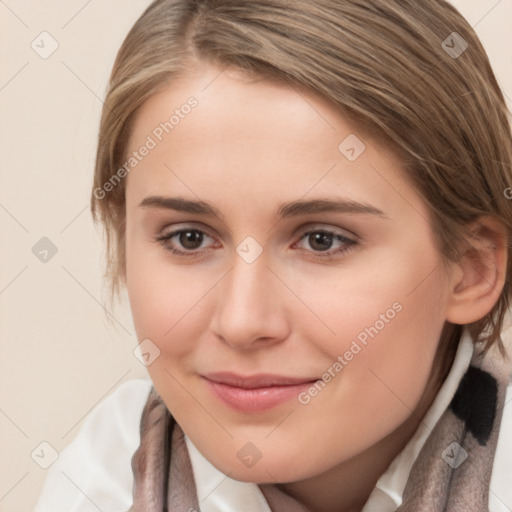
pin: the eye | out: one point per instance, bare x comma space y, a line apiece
189, 239
321, 241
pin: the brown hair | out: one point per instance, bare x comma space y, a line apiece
412, 74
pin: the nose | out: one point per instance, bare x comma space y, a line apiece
250, 310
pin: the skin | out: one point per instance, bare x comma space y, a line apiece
248, 147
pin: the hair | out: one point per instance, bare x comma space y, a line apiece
384, 64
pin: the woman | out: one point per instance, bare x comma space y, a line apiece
306, 203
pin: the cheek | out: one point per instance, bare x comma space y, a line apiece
165, 303
380, 299
385, 329
165, 309
163, 297
372, 386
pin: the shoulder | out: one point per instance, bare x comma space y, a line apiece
94, 470
500, 499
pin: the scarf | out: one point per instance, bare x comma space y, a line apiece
452, 472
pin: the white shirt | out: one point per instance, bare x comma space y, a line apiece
94, 471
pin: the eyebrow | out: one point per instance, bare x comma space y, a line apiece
290, 209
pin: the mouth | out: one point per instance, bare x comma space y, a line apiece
255, 393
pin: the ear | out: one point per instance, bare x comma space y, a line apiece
479, 277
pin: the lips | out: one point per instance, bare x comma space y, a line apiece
255, 393
263, 380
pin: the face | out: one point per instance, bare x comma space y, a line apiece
286, 272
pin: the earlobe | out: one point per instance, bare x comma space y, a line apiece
477, 284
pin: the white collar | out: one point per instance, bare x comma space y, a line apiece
388, 491
218, 493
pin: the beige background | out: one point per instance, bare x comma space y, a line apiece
59, 354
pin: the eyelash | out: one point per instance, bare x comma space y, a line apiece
349, 243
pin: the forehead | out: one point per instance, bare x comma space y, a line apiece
217, 131
230, 103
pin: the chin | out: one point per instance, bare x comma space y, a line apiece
277, 469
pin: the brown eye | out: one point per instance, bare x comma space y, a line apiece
320, 241
325, 243
191, 239
184, 242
